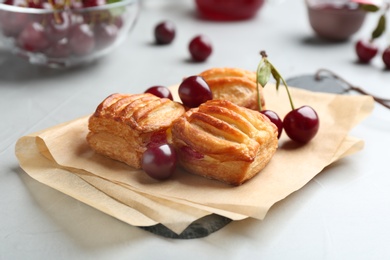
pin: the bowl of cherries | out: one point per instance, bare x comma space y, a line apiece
65, 33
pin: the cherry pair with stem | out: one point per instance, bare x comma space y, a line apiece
300, 124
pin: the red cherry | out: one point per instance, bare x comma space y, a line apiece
159, 162
301, 124
105, 34
365, 51
386, 57
33, 38
200, 48
75, 5
118, 21
274, 118
164, 32
59, 49
8, 2
58, 26
38, 4
13, 23
93, 3
82, 40
160, 91
194, 91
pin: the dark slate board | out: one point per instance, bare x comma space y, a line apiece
324, 84
198, 229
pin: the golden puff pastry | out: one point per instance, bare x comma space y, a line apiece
234, 84
223, 141
124, 124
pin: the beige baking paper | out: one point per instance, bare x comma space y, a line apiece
61, 158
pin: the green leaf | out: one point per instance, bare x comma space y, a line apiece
380, 27
276, 76
263, 73
369, 7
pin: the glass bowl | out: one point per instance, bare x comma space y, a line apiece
66, 37
335, 20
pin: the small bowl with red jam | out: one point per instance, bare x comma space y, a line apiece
65, 33
335, 20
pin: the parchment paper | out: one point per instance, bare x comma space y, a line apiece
61, 158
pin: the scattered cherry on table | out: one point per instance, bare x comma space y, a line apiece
366, 51
200, 48
164, 32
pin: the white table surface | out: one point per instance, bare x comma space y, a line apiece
343, 213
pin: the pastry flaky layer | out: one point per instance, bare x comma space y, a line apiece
234, 84
124, 124
223, 141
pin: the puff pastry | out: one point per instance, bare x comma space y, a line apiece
124, 124
234, 84
223, 141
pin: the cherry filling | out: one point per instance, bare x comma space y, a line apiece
191, 153
157, 139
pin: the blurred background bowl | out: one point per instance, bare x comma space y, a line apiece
228, 10
61, 36
335, 20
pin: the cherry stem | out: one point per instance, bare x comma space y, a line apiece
264, 56
383, 101
288, 93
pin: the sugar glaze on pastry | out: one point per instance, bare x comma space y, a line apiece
124, 124
234, 84
223, 141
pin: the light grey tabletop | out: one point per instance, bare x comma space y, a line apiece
343, 213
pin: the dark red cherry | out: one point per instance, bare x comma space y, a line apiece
93, 3
274, 118
58, 26
81, 39
105, 34
33, 38
8, 2
365, 51
301, 124
386, 57
164, 32
59, 49
118, 21
200, 48
38, 4
194, 91
13, 23
160, 91
159, 162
